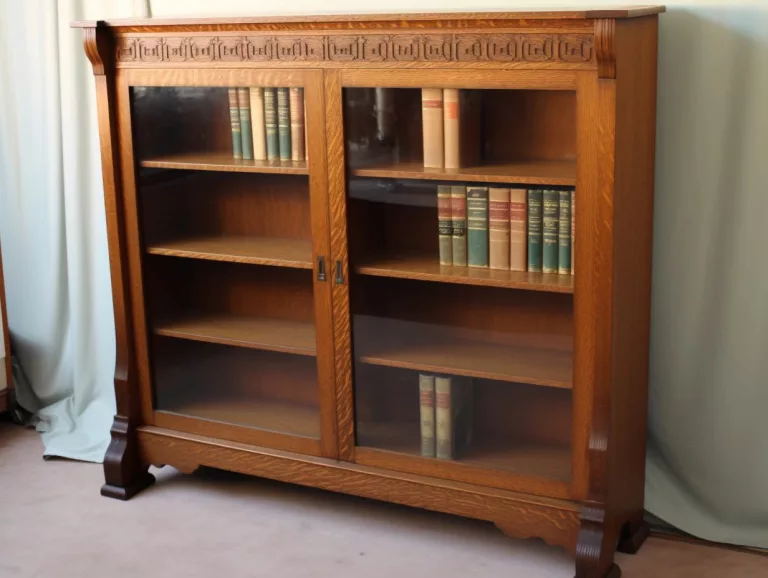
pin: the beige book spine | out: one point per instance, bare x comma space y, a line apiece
518, 230
297, 123
451, 127
432, 126
427, 413
257, 124
498, 228
443, 418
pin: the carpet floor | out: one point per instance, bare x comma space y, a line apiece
54, 523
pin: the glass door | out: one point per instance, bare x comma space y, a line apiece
231, 254
459, 218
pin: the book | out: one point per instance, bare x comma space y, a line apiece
284, 124
573, 231
461, 127
517, 230
234, 118
270, 123
459, 225
427, 414
297, 123
258, 135
445, 224
453, 416
477, 226
432, 126
564, 234
244, 107
498, 228
534, 230
550, 226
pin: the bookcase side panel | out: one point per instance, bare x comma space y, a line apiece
593, 313
636, 61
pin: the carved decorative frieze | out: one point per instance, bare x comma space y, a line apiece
531, 48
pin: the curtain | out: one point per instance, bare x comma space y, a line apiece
52, 223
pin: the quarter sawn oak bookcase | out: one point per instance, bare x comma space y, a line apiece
274, 317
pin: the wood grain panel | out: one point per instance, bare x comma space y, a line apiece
223, 161
509, 80
314, 93
405, 18
6, 369
520, 515
215, 77
253, 332
338, 219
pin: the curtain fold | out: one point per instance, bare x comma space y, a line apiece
52, 222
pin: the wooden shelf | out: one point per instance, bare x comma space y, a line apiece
388, 443
216, 161
556, 173
423, 268
251, 332
392, 343
266, 414
295, 253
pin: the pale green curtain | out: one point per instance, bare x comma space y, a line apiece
52, 222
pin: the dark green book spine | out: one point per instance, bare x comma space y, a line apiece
270, 123
244, 106
534, 230
564, 235
477, 226
284, 123
550, 225
459, 225
444, 224
234, 118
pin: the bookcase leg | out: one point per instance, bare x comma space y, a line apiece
124, 474
633, 536
595, 547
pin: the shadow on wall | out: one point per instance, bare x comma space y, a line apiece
710, 319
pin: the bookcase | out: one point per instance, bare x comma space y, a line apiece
374, 316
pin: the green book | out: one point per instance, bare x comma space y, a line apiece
270, 123
284, 123
534, 230
564, 235
459, 225
244, 107
477, 226
550, 225
444, 224
234, 118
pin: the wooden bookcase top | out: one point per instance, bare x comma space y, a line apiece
518, 14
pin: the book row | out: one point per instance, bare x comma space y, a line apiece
506, 228
268, 123
446, 415
451, 127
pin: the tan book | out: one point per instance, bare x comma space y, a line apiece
461, 128
432, 126
297, 123
257, 124
427, 414
518, 230
498, 227
443, 419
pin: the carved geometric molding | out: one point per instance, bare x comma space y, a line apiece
532, 48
